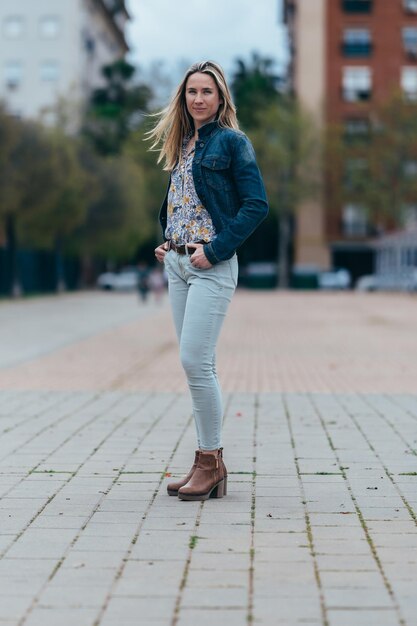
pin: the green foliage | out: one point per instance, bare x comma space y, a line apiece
378, 173
116, 222
255, 88
115, 109
154, 180
56, 198
288, 149
10, 144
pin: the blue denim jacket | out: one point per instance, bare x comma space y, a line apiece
229, 184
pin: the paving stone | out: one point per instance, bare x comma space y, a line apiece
371, 617
317, 441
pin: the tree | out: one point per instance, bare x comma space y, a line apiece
376, 171
27, 186
288, 150
10, 131
50, 219
153, 182
255, 88
283, 140
115, 109
116, 222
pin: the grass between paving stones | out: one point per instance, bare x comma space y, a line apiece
192, 544
50, 471
361, 518
249, 614
310, 537
193, 541
321, 474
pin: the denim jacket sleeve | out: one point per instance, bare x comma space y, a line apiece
253, 203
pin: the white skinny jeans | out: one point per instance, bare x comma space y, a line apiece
199, 301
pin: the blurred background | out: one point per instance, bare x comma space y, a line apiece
325, 89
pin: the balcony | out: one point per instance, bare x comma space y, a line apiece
357, 6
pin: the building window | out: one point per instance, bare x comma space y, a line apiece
357, 84
357, 6
410, 6
354, 222
409, 82
49, 27
356, 129
49, 71
13, 72
410, 41
410, 169
357, 42
356, 174
13, 27
409, 217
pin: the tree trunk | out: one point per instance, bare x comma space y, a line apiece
87, 270
283, 247
11, 246
59, 264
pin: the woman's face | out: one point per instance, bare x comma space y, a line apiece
202, 98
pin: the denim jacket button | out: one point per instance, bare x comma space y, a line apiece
201, 144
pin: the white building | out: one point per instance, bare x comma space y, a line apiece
51, 49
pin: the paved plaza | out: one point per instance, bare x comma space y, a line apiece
319, 526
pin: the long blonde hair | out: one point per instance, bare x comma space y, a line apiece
175, 122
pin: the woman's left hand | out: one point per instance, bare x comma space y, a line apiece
198, 258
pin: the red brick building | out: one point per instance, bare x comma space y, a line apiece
347, 56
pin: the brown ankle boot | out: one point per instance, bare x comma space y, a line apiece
209, 479
172, 488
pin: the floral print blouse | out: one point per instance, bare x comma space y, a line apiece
187, 219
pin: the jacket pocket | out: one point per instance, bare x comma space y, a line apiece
216, 170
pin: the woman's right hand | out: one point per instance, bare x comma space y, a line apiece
161, 251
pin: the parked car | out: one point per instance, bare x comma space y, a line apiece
335, 279
405, 281
125, 280
260, 275
368, 282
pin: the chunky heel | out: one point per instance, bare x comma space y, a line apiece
225, 486
218, 491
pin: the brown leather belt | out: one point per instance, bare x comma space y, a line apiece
182, 249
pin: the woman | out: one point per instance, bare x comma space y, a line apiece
215, 200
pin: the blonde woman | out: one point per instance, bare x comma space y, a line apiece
215, 200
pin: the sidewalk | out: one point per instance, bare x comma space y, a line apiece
320, 437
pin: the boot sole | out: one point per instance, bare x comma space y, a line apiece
172, 492
218, 491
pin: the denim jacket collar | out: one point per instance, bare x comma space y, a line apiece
207, 129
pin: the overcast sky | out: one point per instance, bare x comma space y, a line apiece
180, 32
